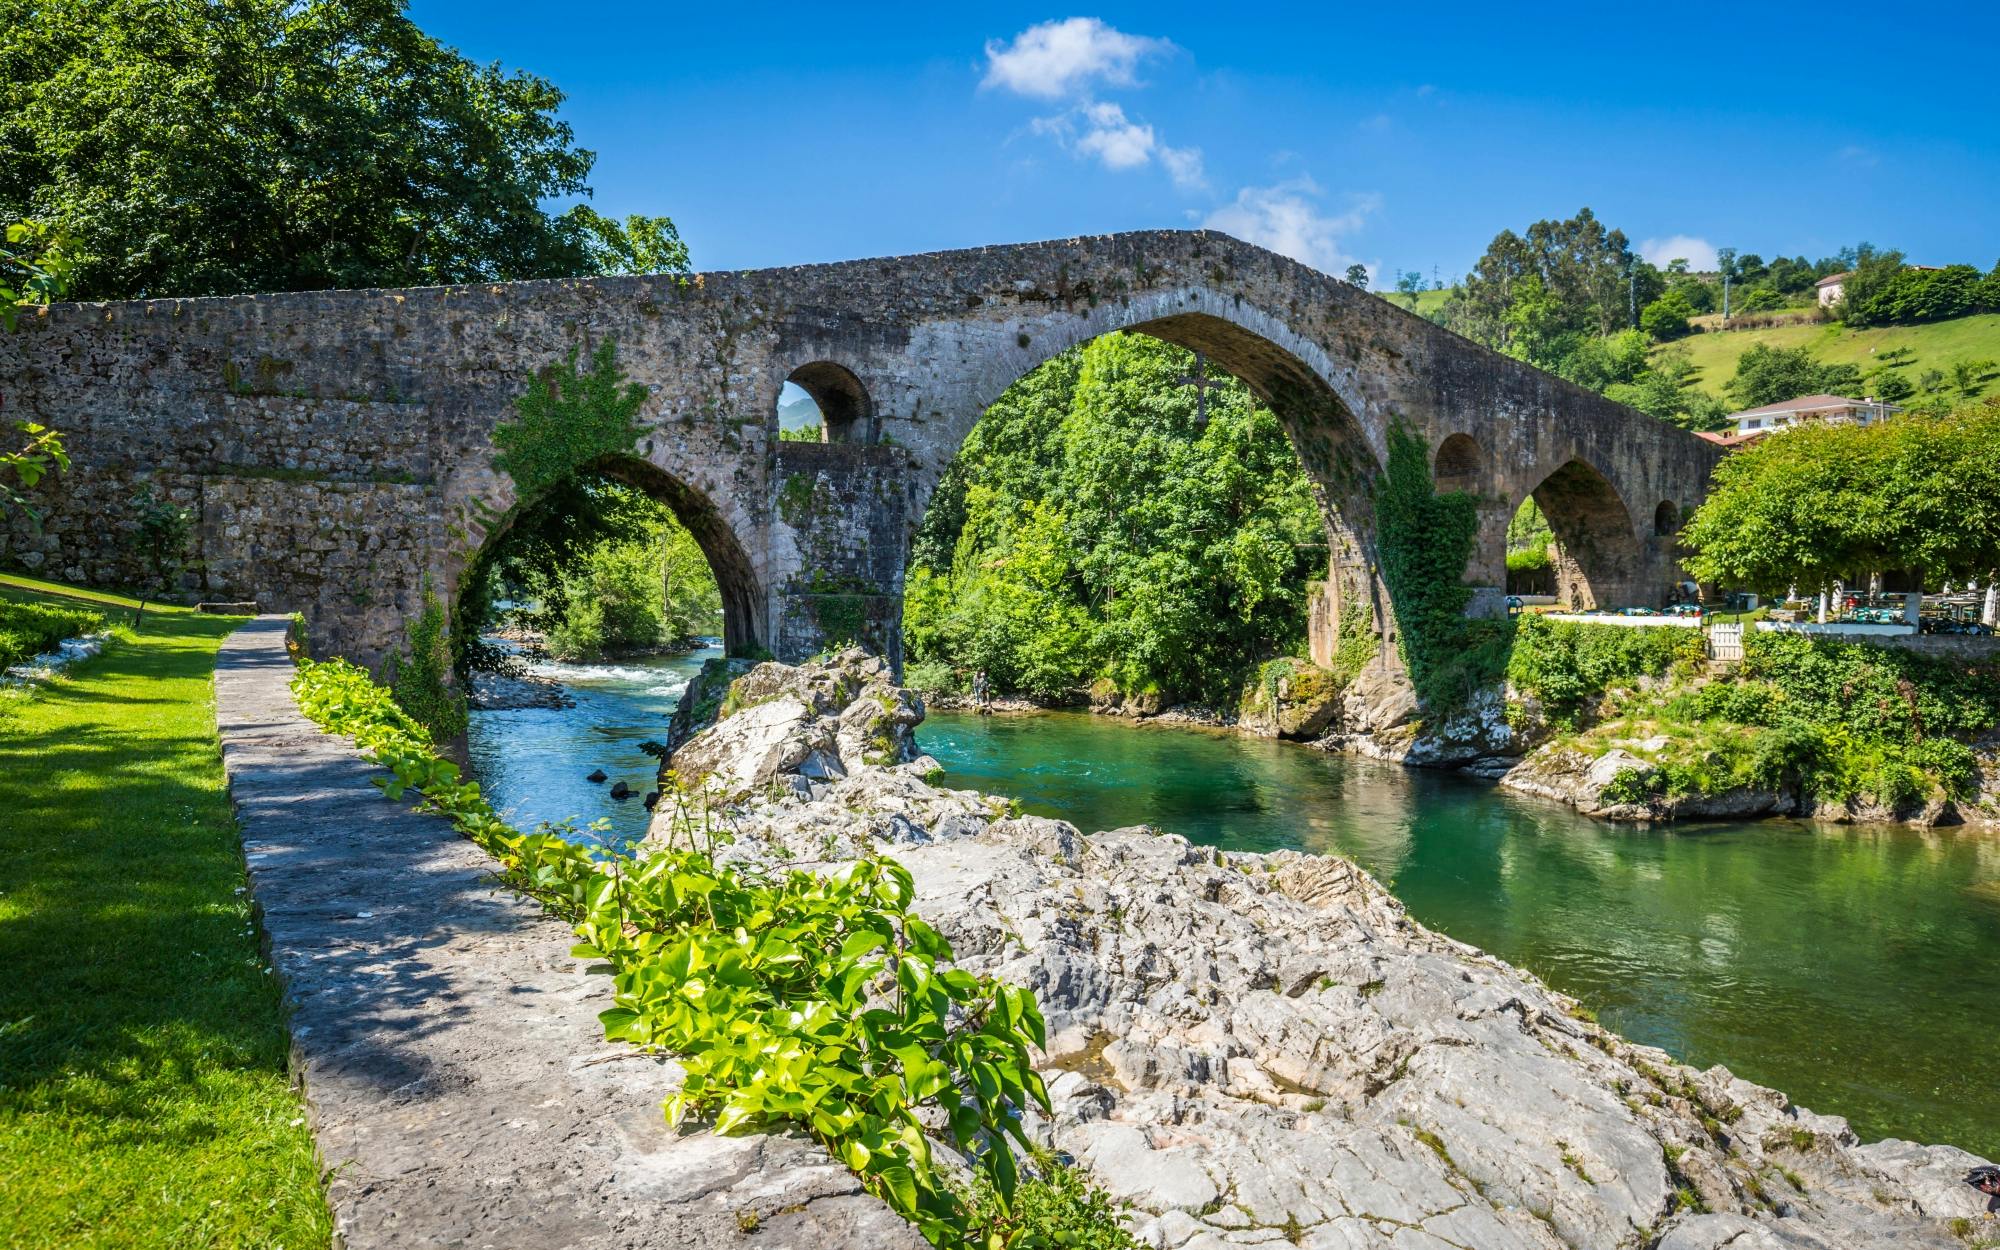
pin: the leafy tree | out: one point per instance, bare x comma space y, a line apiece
161, 533
1771, 375
1583, 270
1091, 530
193, 149
1666, 317
1667, 390
1410, 282
1823, 502
1357, 275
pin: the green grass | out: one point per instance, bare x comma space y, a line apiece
1424, 304
1938, 345
144, 1100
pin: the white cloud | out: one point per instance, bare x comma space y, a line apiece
1119, 143
1101, 131
1057, 60
1286, 217
1855, 154
1699, 253
1184, 167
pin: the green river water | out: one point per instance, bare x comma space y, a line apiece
1856, 969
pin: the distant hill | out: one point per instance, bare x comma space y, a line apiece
1423, 303
799, 414
1938, 345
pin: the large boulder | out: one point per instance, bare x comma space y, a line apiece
814, 721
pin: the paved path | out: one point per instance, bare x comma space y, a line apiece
460, 1089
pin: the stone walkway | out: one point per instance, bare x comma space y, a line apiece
459, 1087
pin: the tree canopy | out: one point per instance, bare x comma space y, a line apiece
252, 145
1821, 502
1092, 528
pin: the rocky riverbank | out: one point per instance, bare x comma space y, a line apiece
1265, 1049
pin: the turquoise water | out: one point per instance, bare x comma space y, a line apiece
533, 763
1856, 969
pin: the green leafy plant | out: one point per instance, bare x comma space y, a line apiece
567, 419
821, 1001
421, 678
160, 536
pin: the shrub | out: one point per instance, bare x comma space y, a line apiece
1567, 664
421, 678
28, 629
932, 677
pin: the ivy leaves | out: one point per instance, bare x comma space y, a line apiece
567, 419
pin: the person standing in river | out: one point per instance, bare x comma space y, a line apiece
982, 698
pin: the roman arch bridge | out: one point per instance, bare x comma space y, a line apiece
337, 447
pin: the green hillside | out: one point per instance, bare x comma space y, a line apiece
1423, 303
1938, 345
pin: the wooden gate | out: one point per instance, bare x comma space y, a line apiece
1725, 643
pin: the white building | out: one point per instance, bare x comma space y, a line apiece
1831, 286
1830, 409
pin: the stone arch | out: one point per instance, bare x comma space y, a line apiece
846, 411
1666, 519
743, 598
1460, 465
1596, 559
1286, 372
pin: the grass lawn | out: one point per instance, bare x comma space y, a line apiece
1936, 345
143, 1091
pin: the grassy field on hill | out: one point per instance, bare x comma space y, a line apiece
1424, 303
1938, 345
144, 1098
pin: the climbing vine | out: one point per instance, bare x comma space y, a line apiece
567, 419
1425, 540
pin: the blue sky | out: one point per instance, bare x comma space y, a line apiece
1403, 136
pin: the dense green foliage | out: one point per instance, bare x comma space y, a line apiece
1772, 375
1564, 296
1836, 720
422, 676
145, 1101
28, 629
1824, 502
196, 149
1882, 290
625, 595
1092, 530
1567, 665
568, 419
790, 997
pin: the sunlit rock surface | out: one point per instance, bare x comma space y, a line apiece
1265, 1049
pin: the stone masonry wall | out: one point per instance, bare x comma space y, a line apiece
338, 445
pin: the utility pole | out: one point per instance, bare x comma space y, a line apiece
1202, 384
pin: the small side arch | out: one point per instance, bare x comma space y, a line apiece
1666, 519
847, 413
1460, 465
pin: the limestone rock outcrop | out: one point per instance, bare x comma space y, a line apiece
1267, 1050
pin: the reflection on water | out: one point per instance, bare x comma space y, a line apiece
1857, 969
532, 762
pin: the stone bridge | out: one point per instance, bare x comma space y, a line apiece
337, 446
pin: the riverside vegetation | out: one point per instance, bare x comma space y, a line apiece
791, 997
